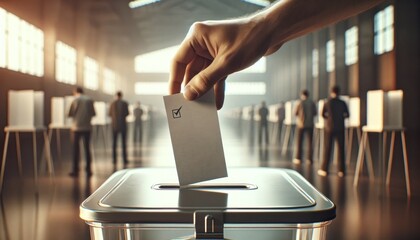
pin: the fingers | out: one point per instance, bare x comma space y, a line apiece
219, 92
204, 80
179, 64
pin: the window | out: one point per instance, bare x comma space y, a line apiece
351, 38
315, 63
3, 37
384, 30
151, 88
91, 70
245, 88
65, 63
13, 40
232, 88
110, 80
330, 56
160, 61
21, 45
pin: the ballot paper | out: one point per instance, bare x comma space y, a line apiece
196, 140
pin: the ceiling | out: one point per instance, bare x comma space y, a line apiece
161, 24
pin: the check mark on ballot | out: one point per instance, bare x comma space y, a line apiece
176, 113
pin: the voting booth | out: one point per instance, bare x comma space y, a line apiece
320, 121
384, 109
26, 109
354, 110
384, 115
290, 108
99, 122
60, 107
26, 115
101, 110
289, 122
353, 125
252, 203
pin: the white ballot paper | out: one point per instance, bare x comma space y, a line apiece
196, 139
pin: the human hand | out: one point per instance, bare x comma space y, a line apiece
214, 49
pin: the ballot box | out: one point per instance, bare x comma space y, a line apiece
252, 203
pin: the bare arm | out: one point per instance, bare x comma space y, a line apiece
214, 49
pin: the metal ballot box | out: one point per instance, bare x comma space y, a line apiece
252, 203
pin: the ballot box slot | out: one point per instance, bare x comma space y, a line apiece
213, 186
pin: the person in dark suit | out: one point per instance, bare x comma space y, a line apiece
138, 124
118, 112
335, 111
81, 111
305, 113
263, 113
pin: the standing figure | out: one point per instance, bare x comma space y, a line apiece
281, 114
138, 124
305, 113
263, 113
335, 111
118, 112
81, 111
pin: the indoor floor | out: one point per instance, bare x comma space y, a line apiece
369, 211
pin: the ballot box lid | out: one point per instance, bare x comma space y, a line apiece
247, 196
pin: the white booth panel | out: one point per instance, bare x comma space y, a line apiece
101, 117
57, 111
290, 108
354, 109
26, 109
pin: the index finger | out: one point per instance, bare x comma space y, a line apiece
183, 57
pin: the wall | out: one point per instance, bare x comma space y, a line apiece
65, 21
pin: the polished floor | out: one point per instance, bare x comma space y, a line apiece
50, 210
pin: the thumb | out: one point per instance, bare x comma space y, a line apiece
204, 81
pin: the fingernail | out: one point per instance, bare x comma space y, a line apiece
190, 93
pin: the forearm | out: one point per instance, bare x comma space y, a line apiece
289, 19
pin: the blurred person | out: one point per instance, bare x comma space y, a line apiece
118, 112
305, 113
281, 114
81, 111
263, 128
335, 111
138, 123
214, 49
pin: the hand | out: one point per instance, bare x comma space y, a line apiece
214, 49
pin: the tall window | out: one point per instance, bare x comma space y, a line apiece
159, 62
315, 63
351, 37
13, 40
91, 70
21, 45
3, 37
330, 56
110, 79
384, 30
65, 63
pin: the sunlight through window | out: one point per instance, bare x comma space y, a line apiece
315, 63
65, 63
110, 80
21, 45
232, 88
384, 31
330, 56
91, 71
160, 61
2, 38
351, 39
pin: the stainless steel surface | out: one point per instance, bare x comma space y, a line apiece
281, 196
